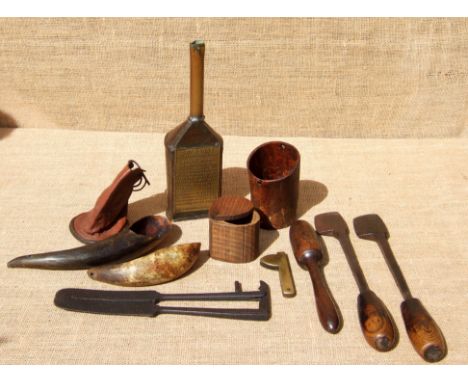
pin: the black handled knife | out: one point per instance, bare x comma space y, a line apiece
146, 303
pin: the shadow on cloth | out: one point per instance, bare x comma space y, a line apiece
172, 238
311, 193
267, 238
152, 205
235, 181
7, 124
202, 259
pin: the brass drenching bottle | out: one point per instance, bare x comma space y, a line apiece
193, 153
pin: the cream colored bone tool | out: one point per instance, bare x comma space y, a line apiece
280, 261
161, 266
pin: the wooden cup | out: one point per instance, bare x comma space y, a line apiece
273, 169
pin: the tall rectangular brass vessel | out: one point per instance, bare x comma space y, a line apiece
193, 153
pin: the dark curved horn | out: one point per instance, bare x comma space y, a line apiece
143, 236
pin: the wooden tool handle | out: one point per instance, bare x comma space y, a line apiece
377, 323
424, 334
197, 55
304, 240
307, 250
327, 309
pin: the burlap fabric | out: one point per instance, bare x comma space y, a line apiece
280, 78
419, 188
273, 76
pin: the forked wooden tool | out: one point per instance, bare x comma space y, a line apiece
377, 323
280, 262
423, 332
308, 252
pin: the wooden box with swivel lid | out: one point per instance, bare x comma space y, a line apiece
234, 230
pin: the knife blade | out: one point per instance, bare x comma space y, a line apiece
125, 303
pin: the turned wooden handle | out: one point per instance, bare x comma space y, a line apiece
377, 323
327, 309
308, 252
304, 240
197, 58
423, 332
